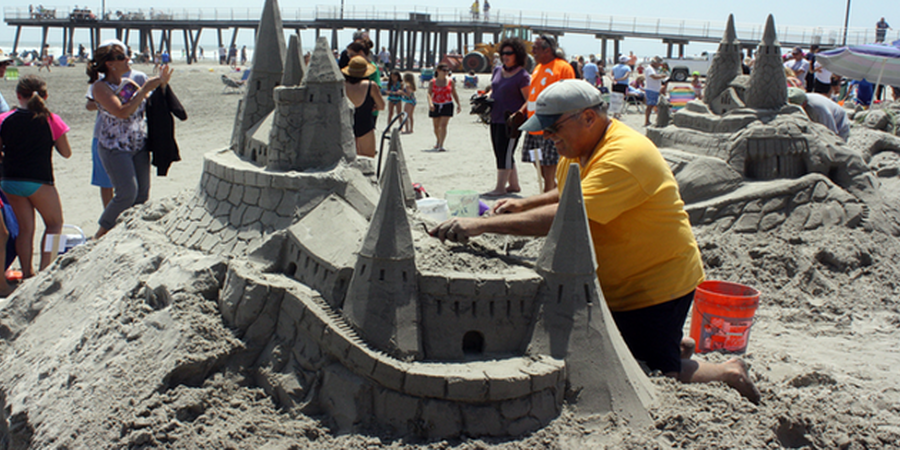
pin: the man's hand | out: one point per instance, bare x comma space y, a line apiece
456, 230
508, 205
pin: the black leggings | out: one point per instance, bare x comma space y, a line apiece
502, 150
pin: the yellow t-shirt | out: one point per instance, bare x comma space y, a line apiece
646, 252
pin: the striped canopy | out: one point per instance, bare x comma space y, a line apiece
875, 63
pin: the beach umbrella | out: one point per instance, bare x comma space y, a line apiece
871, 61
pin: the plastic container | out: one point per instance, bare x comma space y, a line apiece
434, 208
63, 242
462, 203
723, 315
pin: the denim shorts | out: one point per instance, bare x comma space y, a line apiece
652, 97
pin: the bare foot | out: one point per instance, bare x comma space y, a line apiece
513, 190
688, 346
494, 193
738, 377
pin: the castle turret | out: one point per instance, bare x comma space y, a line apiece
382, 298
768, 85
328, 122
409, 194
294, 67
268, 67
725, 65
312, 124
575, 324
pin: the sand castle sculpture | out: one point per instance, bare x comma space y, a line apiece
748, 161
337, 315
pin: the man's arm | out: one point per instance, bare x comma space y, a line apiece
515, 205
534, 222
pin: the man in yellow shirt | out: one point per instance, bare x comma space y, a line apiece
648, 260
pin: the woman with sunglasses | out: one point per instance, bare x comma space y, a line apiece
509, 89
441, 96
122, 133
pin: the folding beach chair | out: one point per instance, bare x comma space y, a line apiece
426, 75
230, 85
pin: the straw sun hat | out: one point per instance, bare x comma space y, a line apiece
358, 68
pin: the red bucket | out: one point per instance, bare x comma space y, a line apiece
723, 315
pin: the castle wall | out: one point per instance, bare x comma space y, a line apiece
807, 203
311, 270
498, 308
237, 203
297, 337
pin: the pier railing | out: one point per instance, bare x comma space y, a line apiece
642, 27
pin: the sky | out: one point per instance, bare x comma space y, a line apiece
821, 13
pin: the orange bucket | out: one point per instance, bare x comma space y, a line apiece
723, 315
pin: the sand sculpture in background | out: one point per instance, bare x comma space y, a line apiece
747, 161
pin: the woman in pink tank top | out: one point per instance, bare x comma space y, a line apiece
441, 95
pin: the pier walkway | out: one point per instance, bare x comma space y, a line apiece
422, 30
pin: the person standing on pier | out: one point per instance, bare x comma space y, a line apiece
487, 10
881, 28
474, 10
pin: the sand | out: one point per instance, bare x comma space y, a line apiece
140, 365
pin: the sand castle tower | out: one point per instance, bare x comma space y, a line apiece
725, 65
268, 67
382, 298
768, 85
312, 124
575, 324
294, 67
409, 194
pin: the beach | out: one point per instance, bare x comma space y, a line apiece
823, 348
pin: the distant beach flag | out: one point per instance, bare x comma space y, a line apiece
679, 96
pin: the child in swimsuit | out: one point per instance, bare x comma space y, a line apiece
394, 94
27, 137
409, 101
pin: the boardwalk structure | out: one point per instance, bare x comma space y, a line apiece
419, 35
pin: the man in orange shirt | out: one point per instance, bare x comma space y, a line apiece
549, 70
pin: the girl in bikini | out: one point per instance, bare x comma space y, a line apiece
28, 135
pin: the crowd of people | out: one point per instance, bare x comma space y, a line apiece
121, 159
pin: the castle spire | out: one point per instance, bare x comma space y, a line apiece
382, 298
725, 65
575, 324
322, 67
768, 84
268, 67
409, 194
294, 67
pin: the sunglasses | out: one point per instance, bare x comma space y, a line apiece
554, 129
507, 53
119, 57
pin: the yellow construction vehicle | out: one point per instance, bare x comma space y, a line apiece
479, 60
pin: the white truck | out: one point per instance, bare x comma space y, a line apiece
680, 69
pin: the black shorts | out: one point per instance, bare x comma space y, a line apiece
623, 88
442, 110
820, 87
653, 334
